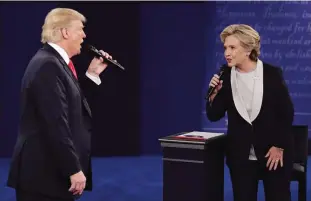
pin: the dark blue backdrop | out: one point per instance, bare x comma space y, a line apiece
174, 44
170, 64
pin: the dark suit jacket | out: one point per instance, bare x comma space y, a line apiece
271, 127
54, 139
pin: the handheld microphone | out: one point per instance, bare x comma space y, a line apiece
220, 74
97, 53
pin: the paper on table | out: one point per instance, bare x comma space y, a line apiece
199, 134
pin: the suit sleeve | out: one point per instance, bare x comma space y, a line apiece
216, 109
90, 88
52, 104
285, 112
96, 80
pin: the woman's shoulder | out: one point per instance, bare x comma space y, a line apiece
271, 68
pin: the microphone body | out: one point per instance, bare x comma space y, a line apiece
220, 74
97, 53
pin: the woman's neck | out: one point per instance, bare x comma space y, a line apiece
247, 66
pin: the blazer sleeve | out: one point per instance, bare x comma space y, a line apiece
89, 88
216, 109
285, 112
50, 98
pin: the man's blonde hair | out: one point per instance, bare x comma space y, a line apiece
57, 19
248, 37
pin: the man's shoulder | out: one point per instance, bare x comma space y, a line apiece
42, 62
42, 56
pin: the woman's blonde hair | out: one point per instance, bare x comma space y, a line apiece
55, 20
248, 37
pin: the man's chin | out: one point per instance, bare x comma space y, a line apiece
78, 52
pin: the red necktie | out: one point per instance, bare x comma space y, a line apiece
72, 68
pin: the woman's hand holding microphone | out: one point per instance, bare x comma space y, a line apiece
215, 82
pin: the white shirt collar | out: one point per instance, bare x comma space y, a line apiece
61, 51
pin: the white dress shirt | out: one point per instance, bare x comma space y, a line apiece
65, 56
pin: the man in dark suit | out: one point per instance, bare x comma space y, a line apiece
260, 115
51, 159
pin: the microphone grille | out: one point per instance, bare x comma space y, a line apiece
88, 46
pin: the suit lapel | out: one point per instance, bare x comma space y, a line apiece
258, 91
257, 94
71, 75
237, 99
74, 79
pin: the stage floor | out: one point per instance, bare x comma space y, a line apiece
131, 179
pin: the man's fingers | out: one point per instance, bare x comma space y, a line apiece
78, 189
105, 54
79, 186
76, 192
83, 187
72, 187
78, 181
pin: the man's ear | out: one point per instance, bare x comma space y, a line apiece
64, 33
